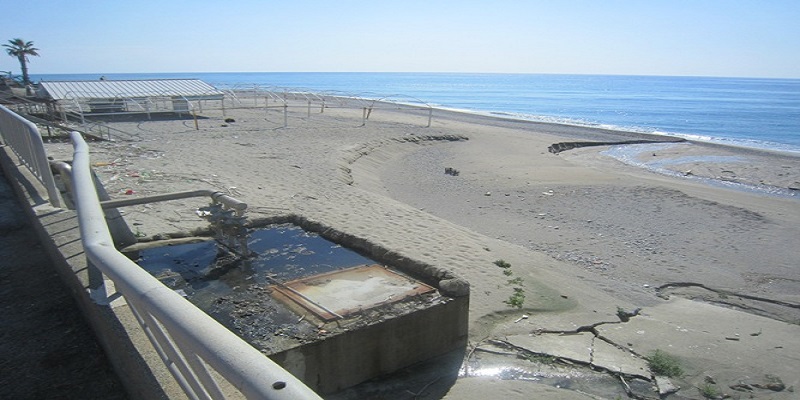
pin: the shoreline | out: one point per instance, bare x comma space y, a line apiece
694, 165
781, 184
567, 127
587, 234
588, 131
365, 82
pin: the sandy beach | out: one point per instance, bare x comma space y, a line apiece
704, 270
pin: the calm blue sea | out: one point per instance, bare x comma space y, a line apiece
762, 113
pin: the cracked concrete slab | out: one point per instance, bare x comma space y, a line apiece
727, 344
493, 388
612, 358
575, 347
583, 347
599, 311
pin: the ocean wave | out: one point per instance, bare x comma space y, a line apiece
737, 142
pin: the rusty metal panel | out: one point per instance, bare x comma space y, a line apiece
335, 295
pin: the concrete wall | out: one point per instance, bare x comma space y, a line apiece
352, 357
390, 345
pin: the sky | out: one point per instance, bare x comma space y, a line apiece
727, 38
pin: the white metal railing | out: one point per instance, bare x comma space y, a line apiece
24, 139
187, 339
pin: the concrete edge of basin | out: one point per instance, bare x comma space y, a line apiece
398, 341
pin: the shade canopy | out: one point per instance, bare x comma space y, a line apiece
124, 89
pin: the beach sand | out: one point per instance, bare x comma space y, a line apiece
707, 272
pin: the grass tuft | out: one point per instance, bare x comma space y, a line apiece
663, 364
709, 391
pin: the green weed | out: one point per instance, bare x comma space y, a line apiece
515, 281
538, 358
664, 364
516, 299
709, 391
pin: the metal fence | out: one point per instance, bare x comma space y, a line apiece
190, 343
89, 117
24, 139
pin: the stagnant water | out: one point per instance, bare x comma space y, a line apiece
282, 252
236, 292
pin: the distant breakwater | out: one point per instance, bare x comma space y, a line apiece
556, 148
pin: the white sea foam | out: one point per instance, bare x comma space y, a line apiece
738, 142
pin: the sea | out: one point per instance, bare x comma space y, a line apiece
748, 112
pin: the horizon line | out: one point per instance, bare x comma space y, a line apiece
422, 72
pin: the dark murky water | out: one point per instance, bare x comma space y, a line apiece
236, 292
284, 252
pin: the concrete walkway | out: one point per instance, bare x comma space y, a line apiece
47, 351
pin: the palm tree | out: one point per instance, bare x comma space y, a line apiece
22, 49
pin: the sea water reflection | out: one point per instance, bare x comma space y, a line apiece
632, 155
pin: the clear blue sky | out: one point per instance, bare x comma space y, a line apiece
758, 38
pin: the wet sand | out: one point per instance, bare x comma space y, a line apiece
587, 234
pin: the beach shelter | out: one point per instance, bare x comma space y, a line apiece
106, 97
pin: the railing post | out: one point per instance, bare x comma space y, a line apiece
25, 140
